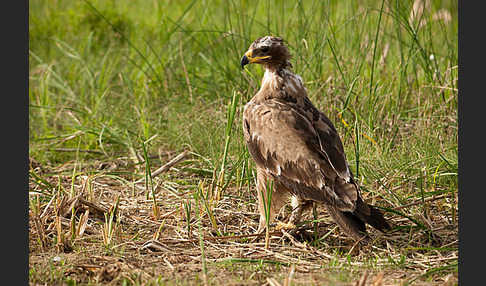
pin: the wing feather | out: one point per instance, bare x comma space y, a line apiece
305, 155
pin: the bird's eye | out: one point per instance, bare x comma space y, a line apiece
265, 49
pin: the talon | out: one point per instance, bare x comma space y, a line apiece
286, 226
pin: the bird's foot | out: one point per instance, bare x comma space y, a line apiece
285, 226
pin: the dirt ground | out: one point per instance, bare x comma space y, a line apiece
101, 228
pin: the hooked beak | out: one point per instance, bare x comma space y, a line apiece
249, 59
244, 61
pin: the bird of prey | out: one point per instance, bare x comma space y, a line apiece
297, 148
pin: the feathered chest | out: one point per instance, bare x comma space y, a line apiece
286, 88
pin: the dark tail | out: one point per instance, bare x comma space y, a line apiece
348, 222
353, 224
371, 216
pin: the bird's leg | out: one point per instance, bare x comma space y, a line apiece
279, 198
298, 206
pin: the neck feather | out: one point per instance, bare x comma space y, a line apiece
281, 82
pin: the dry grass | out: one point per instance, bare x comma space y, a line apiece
70, 226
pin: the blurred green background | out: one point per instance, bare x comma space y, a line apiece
106, 76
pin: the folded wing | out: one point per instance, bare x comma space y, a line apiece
301, 151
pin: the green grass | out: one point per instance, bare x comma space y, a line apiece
110, 80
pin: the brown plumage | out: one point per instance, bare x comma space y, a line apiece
297, 147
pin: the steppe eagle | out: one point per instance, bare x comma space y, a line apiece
297, 147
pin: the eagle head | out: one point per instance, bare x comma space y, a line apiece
268, 50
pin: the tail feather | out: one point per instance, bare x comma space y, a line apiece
353, 223
371, 216
348, 222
